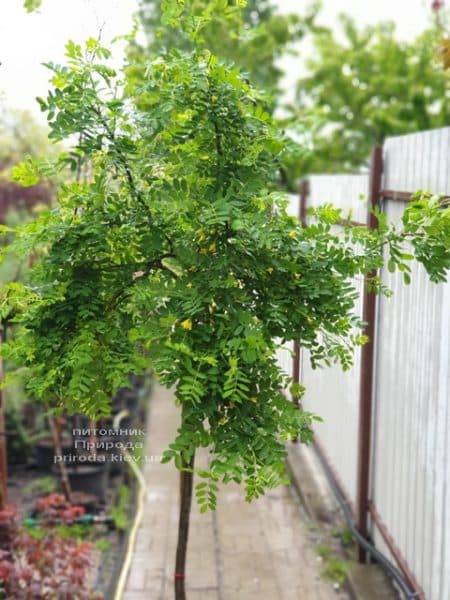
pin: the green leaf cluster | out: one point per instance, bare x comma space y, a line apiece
32, 5
250, 34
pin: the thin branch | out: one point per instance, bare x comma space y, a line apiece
138, 275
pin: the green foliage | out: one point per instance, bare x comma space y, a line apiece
79, 531
430, 234
42, 485
335, 568
32, 5
103, 545
25, 173
18, 443
21, 136
206, 493
249, 34
344, 535
177, 253
37, 533
119, 512
364, 86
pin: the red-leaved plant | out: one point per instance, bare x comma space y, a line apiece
50, 568
55, 507
8, 526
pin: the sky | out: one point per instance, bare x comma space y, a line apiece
26, 41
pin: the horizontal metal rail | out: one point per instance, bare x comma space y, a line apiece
396, 195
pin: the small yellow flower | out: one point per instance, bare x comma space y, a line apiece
270, 270
212, 247
293, 234
189, 285
253, 399
187, 324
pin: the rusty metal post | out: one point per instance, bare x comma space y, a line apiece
367, 367
3, 460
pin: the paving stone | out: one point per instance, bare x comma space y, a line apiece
257, 551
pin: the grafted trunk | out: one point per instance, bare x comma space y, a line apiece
56, 436
186, 486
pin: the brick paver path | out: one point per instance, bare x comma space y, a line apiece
257, 551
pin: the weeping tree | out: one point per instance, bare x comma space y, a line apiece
177, 252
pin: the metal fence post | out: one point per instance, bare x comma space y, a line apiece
367, 366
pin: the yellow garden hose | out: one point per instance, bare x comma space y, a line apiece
138, 518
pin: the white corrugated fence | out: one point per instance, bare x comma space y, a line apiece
410, 482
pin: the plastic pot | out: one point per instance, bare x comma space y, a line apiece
90, 478
45, 453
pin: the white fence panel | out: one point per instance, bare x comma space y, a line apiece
348, 192
412, 419
419, 161
411, 483
331, 393
284, 357
293, 205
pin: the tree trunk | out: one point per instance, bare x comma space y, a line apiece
92, 437
186, 485
56, 436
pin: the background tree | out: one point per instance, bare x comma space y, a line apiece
21, 136
178, 253
365, 87
254, 39
32, 5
